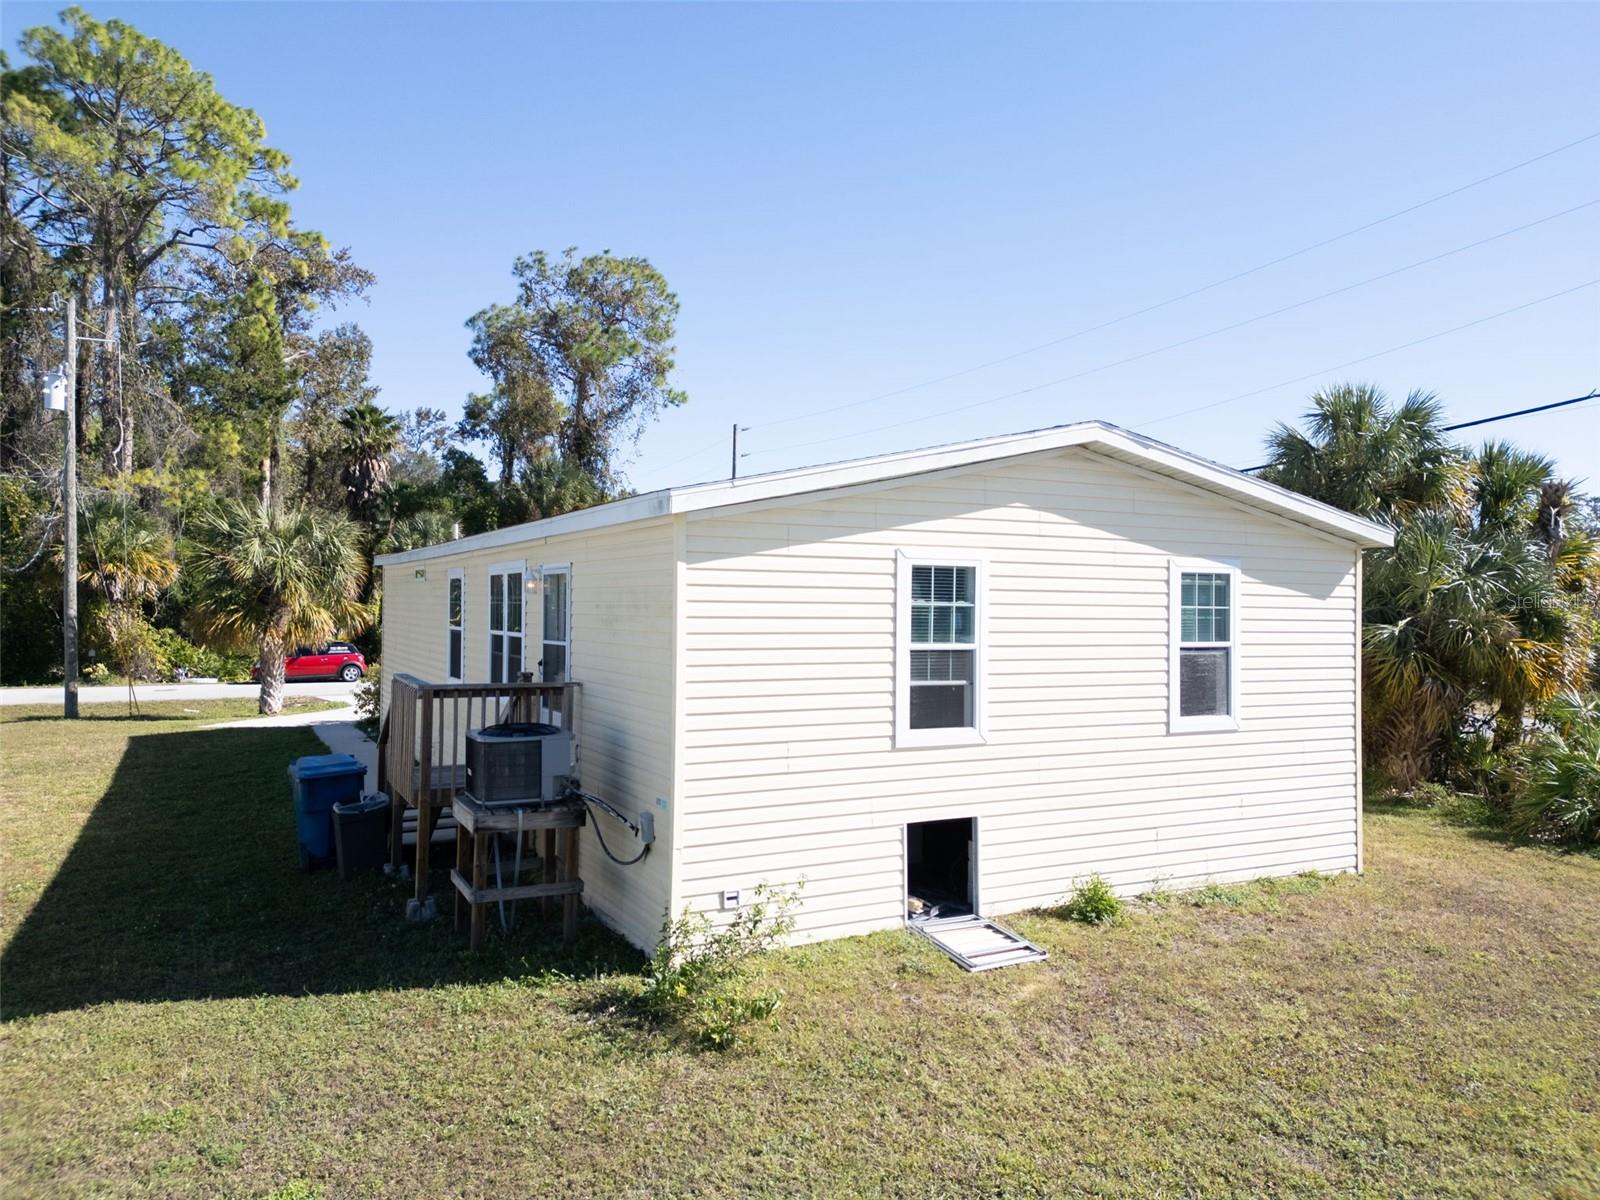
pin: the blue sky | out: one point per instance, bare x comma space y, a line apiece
852, 200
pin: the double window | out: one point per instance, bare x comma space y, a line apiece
1204, 666
939, 652
505, 621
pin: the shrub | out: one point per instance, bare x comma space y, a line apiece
1468, 760
172, 652
1558, 792
236, 668
1094, 903
96, 672
1425, 795
369, 701
698, 979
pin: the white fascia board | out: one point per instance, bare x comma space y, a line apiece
873, 470
1259, 492
1090, 434
585, 520
804, 480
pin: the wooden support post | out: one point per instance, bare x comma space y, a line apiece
424, 796
463, 852
547, 866
397, 731
480, 879
569, 872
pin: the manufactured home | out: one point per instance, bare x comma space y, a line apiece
957, 678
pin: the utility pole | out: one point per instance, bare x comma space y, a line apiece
69, 530
737, 430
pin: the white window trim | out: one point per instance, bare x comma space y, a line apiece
454, 574
904, 736
555, 569
488, 623
1217, 566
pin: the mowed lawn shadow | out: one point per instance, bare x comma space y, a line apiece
183, 883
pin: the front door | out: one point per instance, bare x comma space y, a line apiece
555, 649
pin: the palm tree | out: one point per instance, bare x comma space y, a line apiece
370, 437
1506, 485
1556, 506
129, 560
1455, 617
1479, 604
275, 580
130, 556
1360, 455
555, 485
418, 530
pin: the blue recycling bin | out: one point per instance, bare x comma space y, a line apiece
320, 781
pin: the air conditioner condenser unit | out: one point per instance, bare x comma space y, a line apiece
517, 763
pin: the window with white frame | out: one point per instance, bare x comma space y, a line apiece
939, 652
456, 623
1205, 662
505, 621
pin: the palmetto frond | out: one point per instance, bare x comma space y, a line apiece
1359, 455
420, 529
293, 577
1506, 486
127, 553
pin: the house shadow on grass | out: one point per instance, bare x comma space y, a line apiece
183, 883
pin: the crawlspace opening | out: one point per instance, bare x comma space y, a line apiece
939, 860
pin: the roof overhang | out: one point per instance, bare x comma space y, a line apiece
1107, 439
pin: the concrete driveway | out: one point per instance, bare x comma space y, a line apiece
334, 690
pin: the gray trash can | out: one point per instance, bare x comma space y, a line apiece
361, 834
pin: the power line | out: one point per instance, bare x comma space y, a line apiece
683, 458
1505, 312
1200, 408
1521, 412
1210, 333
1160, 304
1594, 394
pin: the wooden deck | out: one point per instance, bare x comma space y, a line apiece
422, 747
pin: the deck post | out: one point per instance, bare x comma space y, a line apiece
480, 880
424, 798
547, 866
462, 853
569, 872
401, 729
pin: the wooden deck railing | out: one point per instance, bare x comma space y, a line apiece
422, 746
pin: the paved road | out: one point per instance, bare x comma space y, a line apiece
176, 691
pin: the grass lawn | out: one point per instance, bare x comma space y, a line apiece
186, 1014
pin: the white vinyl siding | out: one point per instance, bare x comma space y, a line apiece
620, 615
792, 763
742, 674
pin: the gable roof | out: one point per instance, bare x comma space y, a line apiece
1110, 440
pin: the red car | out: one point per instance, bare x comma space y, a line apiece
336, 660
